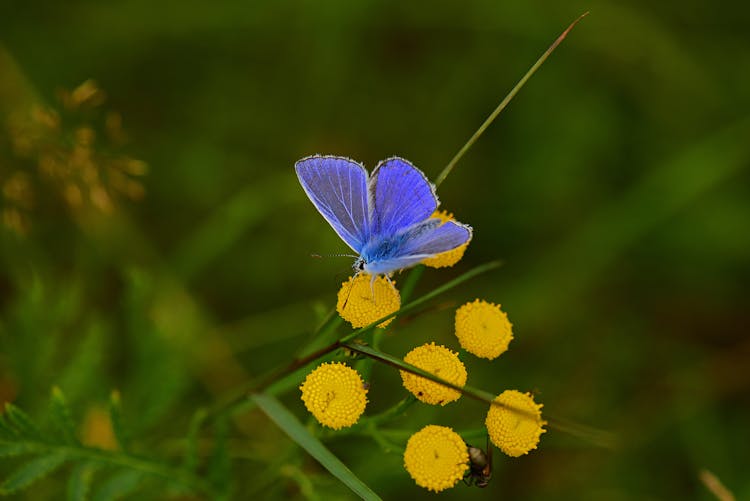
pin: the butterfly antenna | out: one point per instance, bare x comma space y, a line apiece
320, 256
448, 168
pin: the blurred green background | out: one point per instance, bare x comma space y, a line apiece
615, 188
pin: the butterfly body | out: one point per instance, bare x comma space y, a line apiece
384, 217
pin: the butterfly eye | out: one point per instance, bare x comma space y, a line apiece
359, 265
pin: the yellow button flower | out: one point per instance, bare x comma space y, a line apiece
483, 329
515, 428
357, 304
436, 457
335, 394
447, 258
437, 360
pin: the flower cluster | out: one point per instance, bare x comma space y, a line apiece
516, 424
363, 299
335, 394
441, 362
436, 457
483, 329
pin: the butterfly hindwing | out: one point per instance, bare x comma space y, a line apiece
435, 240
337, 186
401, 197
418, 242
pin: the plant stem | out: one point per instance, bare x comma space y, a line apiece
448, 168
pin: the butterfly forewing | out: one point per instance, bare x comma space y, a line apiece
401, 197
337, 186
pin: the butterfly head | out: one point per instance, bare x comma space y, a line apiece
359, 265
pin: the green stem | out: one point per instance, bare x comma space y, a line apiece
288, 377
448, 168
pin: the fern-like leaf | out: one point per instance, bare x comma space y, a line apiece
19, 435
191, 449
115, 416
219, 466
21, 423
119, 485
12, 449
79, 484
32, 471
62, 417
7, 431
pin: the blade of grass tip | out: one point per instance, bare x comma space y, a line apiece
302, 436
508, 98
595, 436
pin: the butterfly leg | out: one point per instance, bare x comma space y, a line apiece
372, 288
348, 294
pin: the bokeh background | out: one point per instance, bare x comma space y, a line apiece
155, 239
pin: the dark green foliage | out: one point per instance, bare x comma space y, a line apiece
119, 485
62, 418
79, 483
219, 465
34, 470
615, 188
46, 450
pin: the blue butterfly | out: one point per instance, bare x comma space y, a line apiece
384, 217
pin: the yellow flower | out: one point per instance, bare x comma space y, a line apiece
447, 258
516, 427
357, 305
483, 329
437, 360
335, 394
436, 457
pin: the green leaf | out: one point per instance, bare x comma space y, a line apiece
32, 471
21, 422
219, 466
291, 425
118, 485
79, 484
7, 431
62, 418
191, 449
10, 449
115, 416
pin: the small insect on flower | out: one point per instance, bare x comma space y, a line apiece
483, 329
447, 258
335, 394
441, 362
516, 425
385, 217
361, 301
480, 467
436, 457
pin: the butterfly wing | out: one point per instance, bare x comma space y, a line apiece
337, 186
401, 197
419, 242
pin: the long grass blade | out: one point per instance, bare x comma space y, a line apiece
292, 427
508, 98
